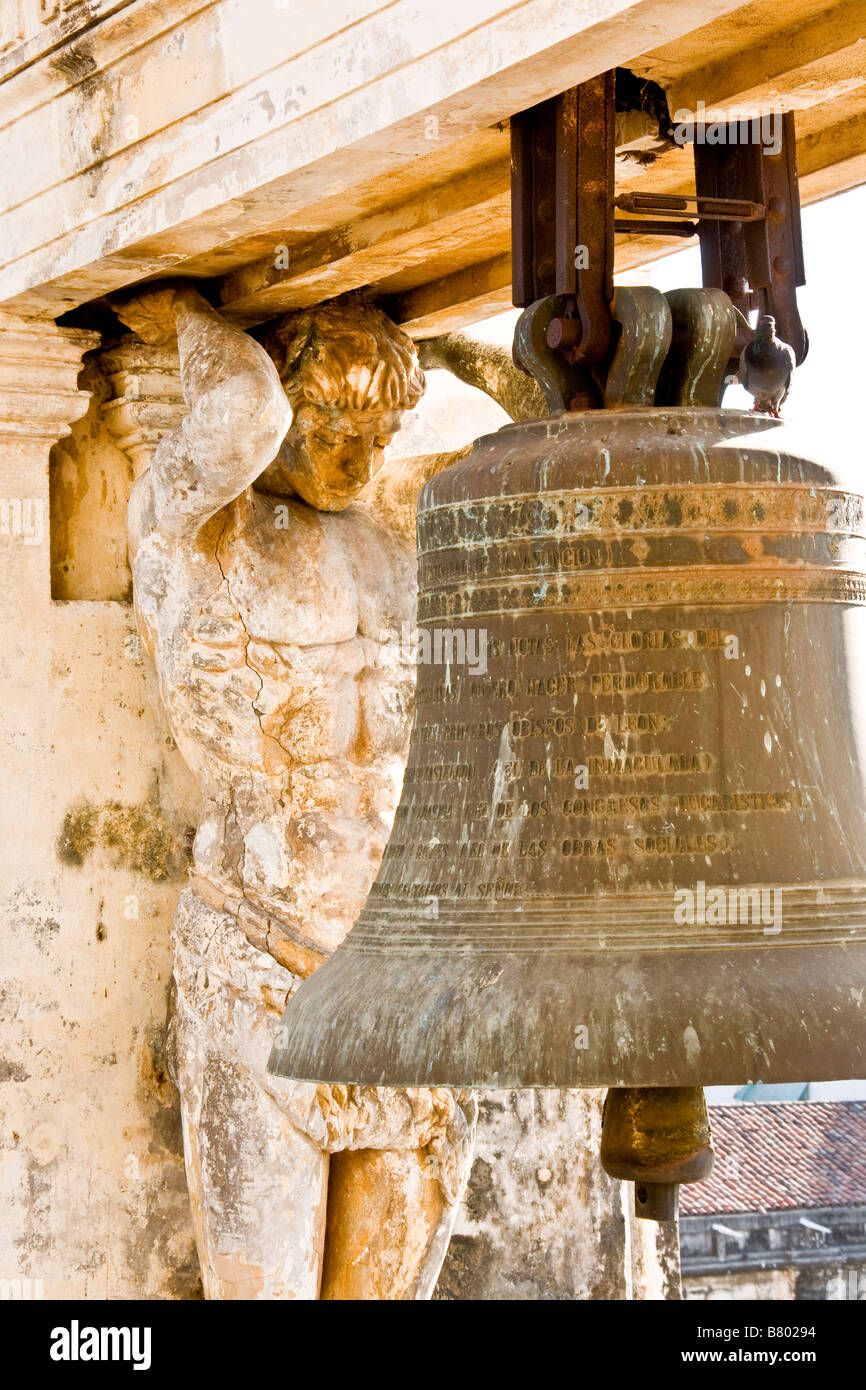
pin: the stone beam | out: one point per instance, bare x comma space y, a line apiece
453, 301
832, 158
448, 218
195, 125
808, 64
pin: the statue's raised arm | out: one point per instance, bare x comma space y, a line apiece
237, 412
487, 367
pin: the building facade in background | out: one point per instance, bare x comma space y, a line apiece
783, 1215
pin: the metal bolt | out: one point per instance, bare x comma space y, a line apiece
563, 333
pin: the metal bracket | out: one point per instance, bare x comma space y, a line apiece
759, 264
562, 162
677, 205
644, 318
534, 356
671, 349
747, 212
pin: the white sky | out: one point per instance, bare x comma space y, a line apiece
828, 389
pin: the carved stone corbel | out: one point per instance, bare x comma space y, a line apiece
145, 399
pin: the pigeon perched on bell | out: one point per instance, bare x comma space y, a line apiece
766, 367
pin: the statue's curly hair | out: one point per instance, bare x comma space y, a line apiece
346, 354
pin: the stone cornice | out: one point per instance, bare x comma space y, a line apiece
36, 28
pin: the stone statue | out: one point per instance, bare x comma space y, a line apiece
273, 557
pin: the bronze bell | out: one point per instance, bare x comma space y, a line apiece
631, 850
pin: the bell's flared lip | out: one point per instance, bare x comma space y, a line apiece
497, 1021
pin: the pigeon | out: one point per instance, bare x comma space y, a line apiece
766, 367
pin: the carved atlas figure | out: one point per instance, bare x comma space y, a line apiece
273, 557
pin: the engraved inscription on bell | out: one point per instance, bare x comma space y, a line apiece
632, 828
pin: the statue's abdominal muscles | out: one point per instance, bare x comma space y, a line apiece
279, 655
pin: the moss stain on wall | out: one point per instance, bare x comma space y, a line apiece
142, 838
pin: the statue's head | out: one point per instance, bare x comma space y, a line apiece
350, 375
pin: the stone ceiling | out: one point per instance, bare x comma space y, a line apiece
288, 152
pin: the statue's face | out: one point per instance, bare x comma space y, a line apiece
331, 454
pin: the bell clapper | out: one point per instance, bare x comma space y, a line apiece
656, 1201
656, 1137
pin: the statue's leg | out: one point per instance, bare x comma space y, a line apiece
269, 1222
388, 1226
400, 1161
258, 1186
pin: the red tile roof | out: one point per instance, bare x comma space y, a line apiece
788, 1154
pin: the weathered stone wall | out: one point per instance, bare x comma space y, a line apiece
89, 482
542, 1220
92, 823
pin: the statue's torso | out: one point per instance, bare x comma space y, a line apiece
277, 637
